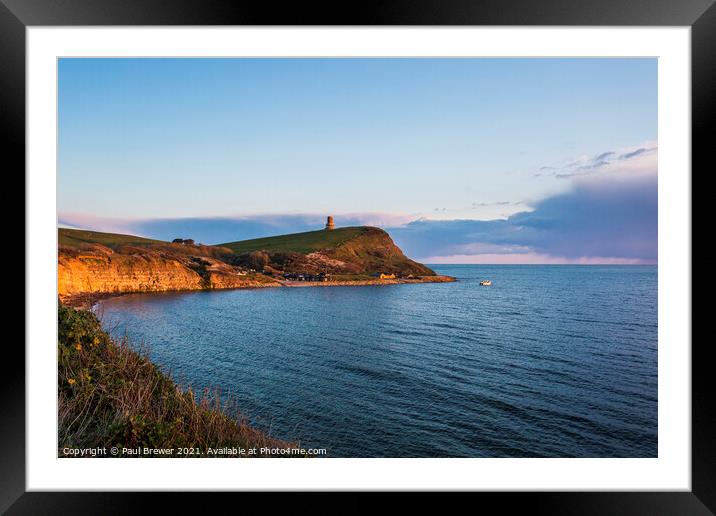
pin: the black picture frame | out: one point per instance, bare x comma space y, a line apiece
700, 15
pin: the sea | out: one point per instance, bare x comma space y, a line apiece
549, 361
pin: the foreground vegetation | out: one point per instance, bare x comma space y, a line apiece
112, 396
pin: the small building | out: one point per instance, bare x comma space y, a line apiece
383, 275
329, 223
305, 277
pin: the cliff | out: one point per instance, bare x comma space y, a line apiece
100, 264
354, 250
373, 251
98, 269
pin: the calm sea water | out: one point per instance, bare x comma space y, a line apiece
551, 361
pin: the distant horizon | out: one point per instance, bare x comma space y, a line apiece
530, 160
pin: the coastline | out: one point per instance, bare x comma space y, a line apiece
376, 282
87, 300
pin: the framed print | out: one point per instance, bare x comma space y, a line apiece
426, 248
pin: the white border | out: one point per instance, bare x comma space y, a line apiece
672, 468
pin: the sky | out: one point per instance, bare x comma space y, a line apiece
461, 160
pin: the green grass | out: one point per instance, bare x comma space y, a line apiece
77, 237
303, 243
112, 395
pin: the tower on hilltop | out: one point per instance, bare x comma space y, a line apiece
329, 223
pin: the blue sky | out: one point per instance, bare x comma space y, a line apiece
236, 148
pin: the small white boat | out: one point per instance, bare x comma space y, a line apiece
486, 283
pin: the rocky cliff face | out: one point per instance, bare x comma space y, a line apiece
370, 252
104, 264
100, 270
374, 251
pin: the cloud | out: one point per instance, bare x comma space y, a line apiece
478, 209
603, 156
528, 259
95, 223
607, 221
633, 159
608, 215
498, 203
637, 152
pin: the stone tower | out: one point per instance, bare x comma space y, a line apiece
329, 223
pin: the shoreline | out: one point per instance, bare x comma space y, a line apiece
87, 300
110, 362
376, 282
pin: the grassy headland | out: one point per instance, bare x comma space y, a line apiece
303, 243
112, 396
77, 237
92, 264
352, 251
